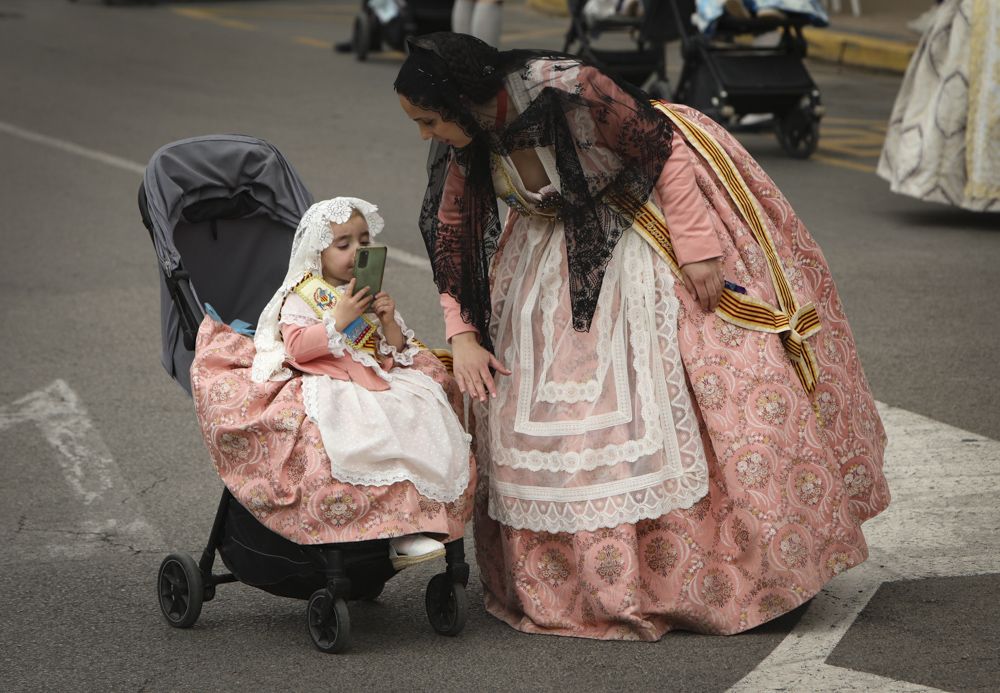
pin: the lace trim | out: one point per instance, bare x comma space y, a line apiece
576, 391
650, 304
443, 494
296, 319
411, 348
310, 396
339, 347
591, 515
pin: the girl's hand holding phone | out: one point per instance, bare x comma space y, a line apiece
351, 305
385, 308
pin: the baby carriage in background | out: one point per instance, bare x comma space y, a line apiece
729, 80
392, 21
723, 78
650, 24
220, 209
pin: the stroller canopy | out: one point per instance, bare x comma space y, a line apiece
222, 211
217, 167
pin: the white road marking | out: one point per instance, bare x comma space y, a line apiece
395, 254
110, 513
72, 148
941, 522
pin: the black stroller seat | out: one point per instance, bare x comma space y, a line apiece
220, 210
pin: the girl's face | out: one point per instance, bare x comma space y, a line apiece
338, 258
432, 125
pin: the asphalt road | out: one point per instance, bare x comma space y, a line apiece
104, 471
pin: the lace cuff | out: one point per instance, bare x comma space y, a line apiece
335, 340
339, 346
410, 348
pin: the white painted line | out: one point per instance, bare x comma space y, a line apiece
940, 523
396, 255
72, 148
110, 512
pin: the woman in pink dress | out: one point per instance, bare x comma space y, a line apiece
673, 427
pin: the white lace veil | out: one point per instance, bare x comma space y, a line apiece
311, 238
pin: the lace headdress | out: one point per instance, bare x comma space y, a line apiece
609, 148
312, 237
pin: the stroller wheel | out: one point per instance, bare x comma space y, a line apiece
798, 133
180, 589
329, 622
447, 606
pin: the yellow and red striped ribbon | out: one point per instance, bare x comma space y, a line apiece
793, 323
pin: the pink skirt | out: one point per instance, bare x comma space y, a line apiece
792, 475
271, 457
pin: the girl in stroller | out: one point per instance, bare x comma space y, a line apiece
381, 421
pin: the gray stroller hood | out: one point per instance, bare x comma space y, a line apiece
222, 211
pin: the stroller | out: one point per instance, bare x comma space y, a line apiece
393, 21
728, 80
722, 78
218, 209
646, 65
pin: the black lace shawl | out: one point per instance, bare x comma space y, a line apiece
609, 146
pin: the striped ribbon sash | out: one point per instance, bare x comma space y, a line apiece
792, 322
362, 334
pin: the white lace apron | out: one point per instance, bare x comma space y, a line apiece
592, 429
376, 438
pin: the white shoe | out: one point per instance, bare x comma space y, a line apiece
412, 549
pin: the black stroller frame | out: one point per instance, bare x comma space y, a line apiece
721, 77
327, 575
646, 66
211, 206
727, 80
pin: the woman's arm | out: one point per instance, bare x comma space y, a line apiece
696, 243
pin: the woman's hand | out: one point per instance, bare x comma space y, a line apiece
704, 280
350, 306
472, 366
385, 308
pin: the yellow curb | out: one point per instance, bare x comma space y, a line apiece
557, 8
859, 51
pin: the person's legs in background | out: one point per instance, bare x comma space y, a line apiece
480, 18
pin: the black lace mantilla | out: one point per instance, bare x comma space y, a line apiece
595, 119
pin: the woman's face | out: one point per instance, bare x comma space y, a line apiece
338, 258
432, 125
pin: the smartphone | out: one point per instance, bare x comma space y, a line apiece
369, 266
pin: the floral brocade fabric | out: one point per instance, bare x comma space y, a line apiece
271, 456
791, 476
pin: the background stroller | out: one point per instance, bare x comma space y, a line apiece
392, 21
721, 77
728, 80
645, 65
220, 209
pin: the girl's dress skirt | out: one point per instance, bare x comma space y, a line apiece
270, 453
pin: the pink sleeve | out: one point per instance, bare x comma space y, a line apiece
449, 211
304, 344
454, 323
688, 218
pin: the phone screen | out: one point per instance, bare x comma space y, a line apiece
369, 266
